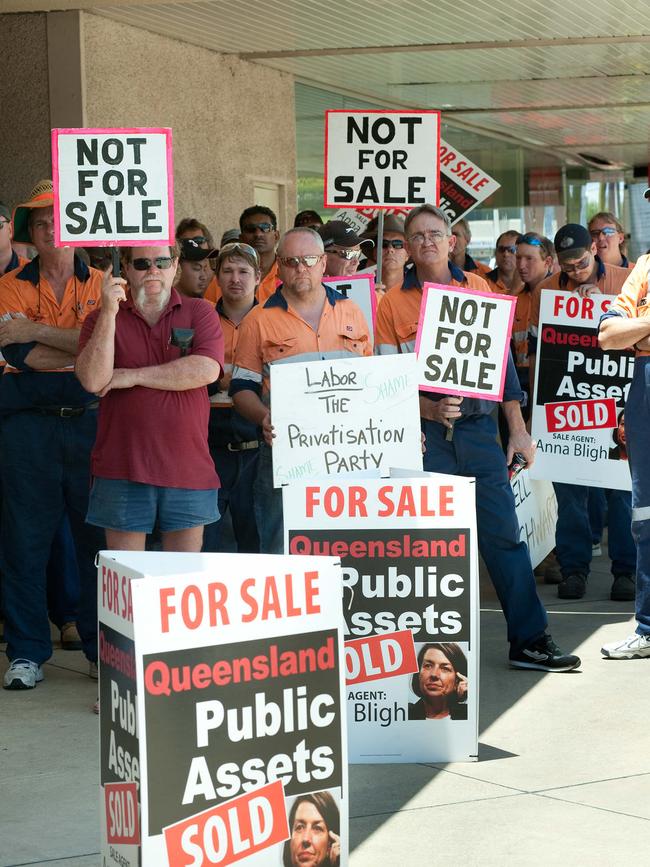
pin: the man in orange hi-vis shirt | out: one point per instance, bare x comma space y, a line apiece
627, 323
48, 429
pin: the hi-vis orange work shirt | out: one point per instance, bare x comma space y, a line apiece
26, 292
632, 301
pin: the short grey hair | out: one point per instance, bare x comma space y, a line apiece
302, 230
426, 209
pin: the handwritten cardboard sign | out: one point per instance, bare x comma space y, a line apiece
347, 415
113, 187
381, 159
463, 341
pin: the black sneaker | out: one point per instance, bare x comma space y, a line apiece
623, 589
544, 655
573, 586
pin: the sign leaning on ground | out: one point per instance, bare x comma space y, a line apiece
580, 393
112, 187
410, 604
222, 704
347, 415
463, 341
381, 159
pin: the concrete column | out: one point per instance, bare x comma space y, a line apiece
65, 60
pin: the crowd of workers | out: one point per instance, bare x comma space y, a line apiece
132, 407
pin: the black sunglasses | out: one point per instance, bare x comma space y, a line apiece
506, 248
162, 262
396, 244
249, 228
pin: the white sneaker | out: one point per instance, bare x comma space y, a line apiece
633, 647
23, 674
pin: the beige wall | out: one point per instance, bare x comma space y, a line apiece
233, 122
24, 106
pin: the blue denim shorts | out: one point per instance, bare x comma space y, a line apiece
117, 504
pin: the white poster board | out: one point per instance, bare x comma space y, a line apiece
361, 289
381, 159
536, 509
222, 705
408, 549
355, 414
463, 341
463, 185
113, 187
580, 394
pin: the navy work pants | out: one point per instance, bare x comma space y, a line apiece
45, 471
474, 451
236, 472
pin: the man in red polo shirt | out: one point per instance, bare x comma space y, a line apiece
149, 357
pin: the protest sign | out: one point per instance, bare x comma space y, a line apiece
536, 509
463, 185
353, 414
112, 187
463, 341
381, 159
222, 705
580, 392
361, 289
410, 593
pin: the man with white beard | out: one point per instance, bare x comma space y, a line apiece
149, 355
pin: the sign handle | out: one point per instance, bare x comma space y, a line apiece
380, 240
115, 257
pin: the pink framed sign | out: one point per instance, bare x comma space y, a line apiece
463, 341
113, 187
381, 159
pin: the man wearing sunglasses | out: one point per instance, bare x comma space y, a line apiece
149, 356
342, 248
48, 428
609, 236
301, 321
394, 255
461, 439
582, 271
259, 228
9, 259
504, 277
191, 232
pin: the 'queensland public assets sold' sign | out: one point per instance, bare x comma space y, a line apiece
463, 341
112, 187
383, 159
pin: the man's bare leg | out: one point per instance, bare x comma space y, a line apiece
124, 540
189, 540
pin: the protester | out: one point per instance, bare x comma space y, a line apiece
9, 259
315, 828
48, 428
234, 441
302, 320
470, 447
394, 256
459, 255
308, 219
149, 358
191, 232
609, 237
259, 227
504, 278
194, 271
228, 237
440, 683
582, 271
625, 324
342, 248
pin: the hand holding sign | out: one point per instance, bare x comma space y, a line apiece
113, 291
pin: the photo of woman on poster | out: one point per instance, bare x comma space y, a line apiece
314, 825
440, 683
619, 452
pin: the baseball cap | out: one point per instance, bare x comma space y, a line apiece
229, 236
572, 241
305, 218
339, 234
42, 196
191, 252
392, 223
